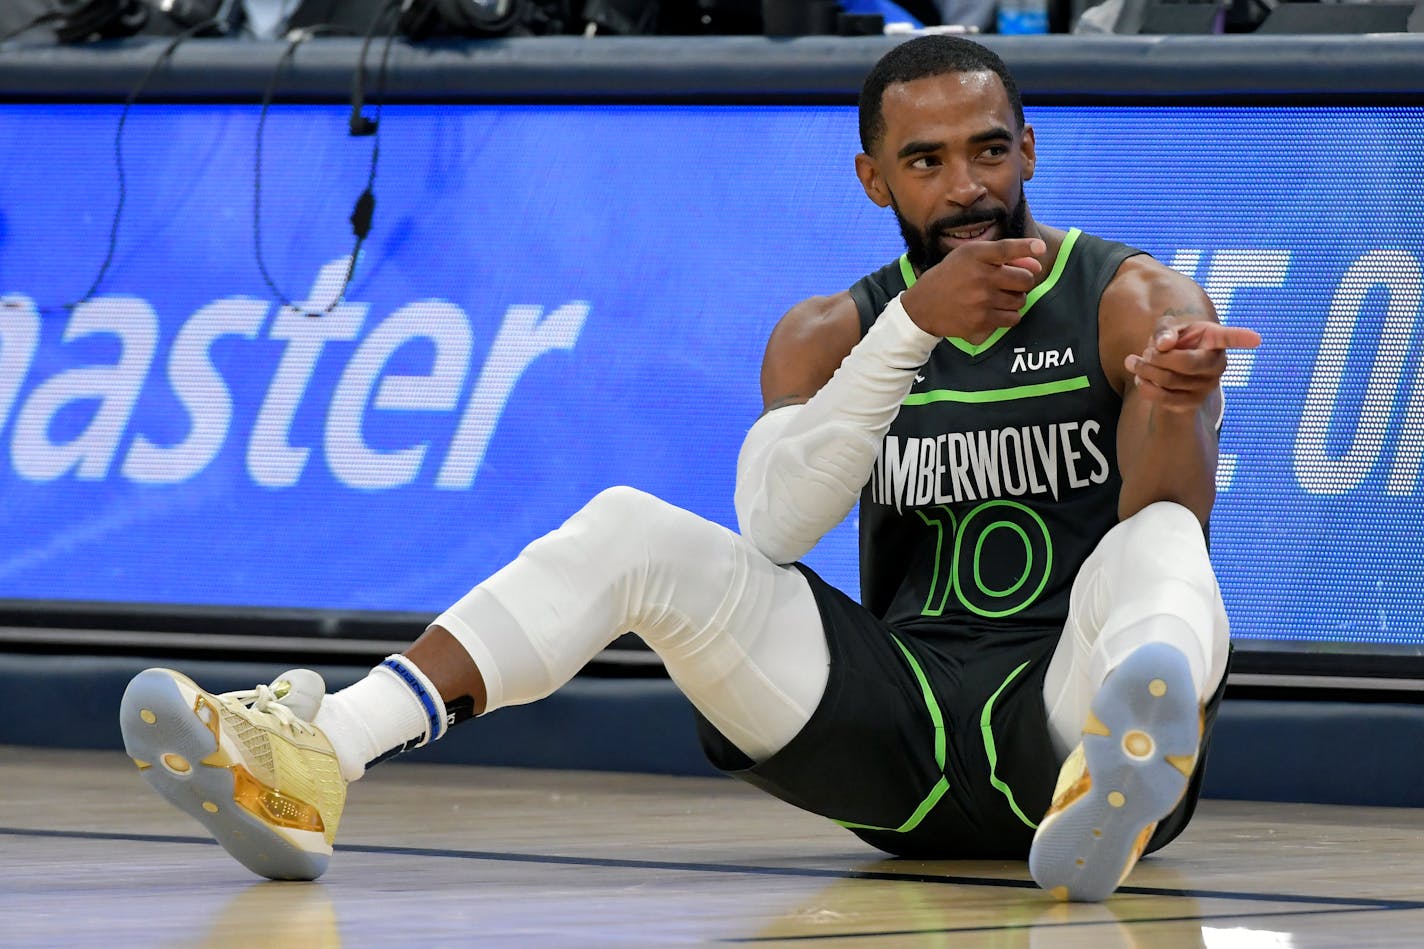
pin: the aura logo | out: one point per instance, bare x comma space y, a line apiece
1025, 361
45, 446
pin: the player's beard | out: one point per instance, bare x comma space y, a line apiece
923, 247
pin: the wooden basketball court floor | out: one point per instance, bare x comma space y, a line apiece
443, 855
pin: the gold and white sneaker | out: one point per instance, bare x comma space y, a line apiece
1138, 752
249, 766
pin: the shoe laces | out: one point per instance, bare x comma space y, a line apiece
263, 699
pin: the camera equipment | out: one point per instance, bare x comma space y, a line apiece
83, 21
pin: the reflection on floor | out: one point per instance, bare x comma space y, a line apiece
436, 855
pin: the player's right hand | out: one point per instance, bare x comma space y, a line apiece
976, 289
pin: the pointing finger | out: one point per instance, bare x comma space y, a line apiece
1207, 335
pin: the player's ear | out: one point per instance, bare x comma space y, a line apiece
871, 180
1026, 146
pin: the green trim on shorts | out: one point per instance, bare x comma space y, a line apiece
993, 753
927, 805
942, 785
930, 703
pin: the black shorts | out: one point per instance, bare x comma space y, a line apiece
930, 748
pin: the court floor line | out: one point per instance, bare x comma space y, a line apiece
1342, 902
1071, 924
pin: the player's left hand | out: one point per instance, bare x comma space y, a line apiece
1183, 362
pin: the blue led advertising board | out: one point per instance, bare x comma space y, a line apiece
558, 299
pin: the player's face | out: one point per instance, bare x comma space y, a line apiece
951, 164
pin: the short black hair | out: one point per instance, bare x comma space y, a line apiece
924, 56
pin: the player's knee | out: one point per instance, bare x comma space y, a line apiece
1167, 515
1163, 526
629, 520
1165, 541
619, 501
623, 510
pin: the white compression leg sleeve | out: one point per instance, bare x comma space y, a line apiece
740, 635
801, 467
1149, 580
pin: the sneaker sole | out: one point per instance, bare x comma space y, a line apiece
179, 756
1140, 748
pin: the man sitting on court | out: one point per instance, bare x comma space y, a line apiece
1028, 418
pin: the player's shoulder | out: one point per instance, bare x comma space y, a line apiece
809, 342
819, 316
1145, 284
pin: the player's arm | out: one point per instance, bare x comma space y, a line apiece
830, 395
806, 348
1165, 351
829, 398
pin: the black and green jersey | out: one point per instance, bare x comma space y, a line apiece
999, 475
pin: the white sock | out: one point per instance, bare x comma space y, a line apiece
376, 715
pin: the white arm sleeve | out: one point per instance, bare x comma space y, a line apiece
801, 467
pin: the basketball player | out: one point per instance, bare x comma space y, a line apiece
1028, 417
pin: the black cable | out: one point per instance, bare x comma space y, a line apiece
359, 124
364, 209
119, 153
40, 20
297, 38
